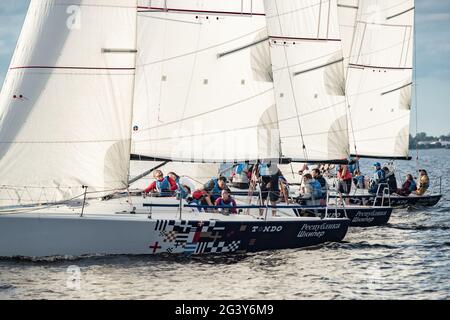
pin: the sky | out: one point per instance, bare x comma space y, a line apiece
432, 66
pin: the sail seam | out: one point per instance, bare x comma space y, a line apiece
70, 68
63, 142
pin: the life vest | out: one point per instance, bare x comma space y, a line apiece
240, 168
216, 191
182, 192
266, 171
316, 189
163, 187
424, 183
412, 186
380, 176
222, 203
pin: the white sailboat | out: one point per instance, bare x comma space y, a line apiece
378, 39
93, 81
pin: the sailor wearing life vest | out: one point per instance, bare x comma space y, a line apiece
424, 183
164, 186
226, 204
379, 177
185, 185
214, 188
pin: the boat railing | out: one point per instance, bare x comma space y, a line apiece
383, 189
208, 208
436, 185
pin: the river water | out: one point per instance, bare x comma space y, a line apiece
408, 259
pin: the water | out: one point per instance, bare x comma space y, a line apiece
408, 259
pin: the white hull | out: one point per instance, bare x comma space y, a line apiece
115, 231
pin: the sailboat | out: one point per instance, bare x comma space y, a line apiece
297, 96
378, 39
95, 83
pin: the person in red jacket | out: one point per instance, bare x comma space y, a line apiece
345, 178
164, 186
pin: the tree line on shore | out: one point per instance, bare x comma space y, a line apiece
424, 141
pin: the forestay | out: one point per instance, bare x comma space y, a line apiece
380, 78
309, 79
67, 99
204, 90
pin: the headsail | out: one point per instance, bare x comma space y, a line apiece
380, 78
348, 14
309, 79
67, 101
204, 90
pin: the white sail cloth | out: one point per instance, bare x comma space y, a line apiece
348, 14
380, 78
309, 79
66, 102
204, 89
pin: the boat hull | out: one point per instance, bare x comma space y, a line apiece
396, 201
47, 236
361, 217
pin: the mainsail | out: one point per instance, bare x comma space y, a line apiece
204, 90
380, 78
309, 79
67, 99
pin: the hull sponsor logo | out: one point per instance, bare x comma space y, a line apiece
267, 229
317, 230
368, 216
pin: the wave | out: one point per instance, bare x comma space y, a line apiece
414, 227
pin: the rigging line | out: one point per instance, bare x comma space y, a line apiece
305, 153
347, 72
416, 94
191, 81
133, 101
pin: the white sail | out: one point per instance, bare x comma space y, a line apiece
348, 14
204, 90
67, 101
380, 78
309, 79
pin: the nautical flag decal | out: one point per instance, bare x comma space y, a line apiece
161, 225
201, 247
190, 248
